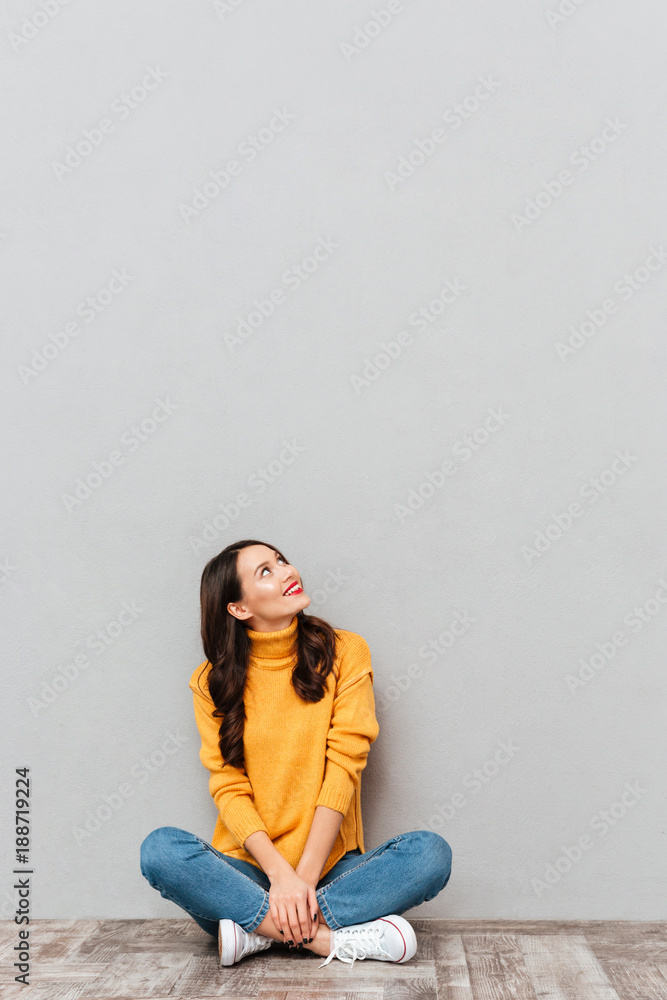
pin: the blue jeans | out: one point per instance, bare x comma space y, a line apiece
401, 873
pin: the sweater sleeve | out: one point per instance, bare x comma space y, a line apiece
229, 786
353, 726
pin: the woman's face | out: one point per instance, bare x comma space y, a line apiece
265, 576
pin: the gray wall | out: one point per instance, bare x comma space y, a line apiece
476, 489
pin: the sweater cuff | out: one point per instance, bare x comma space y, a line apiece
337, 788
241, 819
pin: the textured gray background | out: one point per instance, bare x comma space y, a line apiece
387, 546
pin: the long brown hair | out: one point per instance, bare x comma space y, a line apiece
227, 647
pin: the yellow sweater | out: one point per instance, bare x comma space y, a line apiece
298, 754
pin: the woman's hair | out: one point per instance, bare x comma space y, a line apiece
227, 646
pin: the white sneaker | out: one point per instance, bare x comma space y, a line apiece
389, 939
234, 943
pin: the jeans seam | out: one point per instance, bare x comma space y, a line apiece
171, 899
324, 906
265, 902
389, 847
264, 905
254, 922
319, 893
261, 913
223, 858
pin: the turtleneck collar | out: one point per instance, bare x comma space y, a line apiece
271, 650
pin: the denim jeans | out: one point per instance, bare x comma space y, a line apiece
401, 873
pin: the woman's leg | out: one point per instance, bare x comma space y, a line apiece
205, 883
401, 873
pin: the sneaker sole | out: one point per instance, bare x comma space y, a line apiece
227, 956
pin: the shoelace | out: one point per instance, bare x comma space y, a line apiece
364, 941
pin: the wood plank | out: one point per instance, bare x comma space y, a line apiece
451, 968
324, 992
49, 939
43, 991
130, 976
205, 977
306, 993
496, 967
410, 989
53, 971
367, 970
637, 982
563, 966
617, 947
365, 995
170, 959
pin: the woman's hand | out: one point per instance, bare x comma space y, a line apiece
314, 910
293, 906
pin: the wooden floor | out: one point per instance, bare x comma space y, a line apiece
455, 960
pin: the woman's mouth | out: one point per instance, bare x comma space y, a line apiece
294, 589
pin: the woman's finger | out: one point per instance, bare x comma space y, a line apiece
312, 912
273, 910
284, 922
295, 924
302, 908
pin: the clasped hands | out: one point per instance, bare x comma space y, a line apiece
293, 905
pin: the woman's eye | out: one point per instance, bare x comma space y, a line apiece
279, 559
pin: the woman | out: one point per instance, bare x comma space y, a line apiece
285, 709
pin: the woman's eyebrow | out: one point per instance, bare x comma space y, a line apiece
266, 562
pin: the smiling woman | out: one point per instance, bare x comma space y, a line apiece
285, 708
266, 580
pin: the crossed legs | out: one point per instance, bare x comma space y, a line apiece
400, 874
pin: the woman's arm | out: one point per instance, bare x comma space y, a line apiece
262, 848
229, 786
288, 897
352, 730
323, 832
292, 900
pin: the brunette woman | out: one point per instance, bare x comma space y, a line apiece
285, 708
